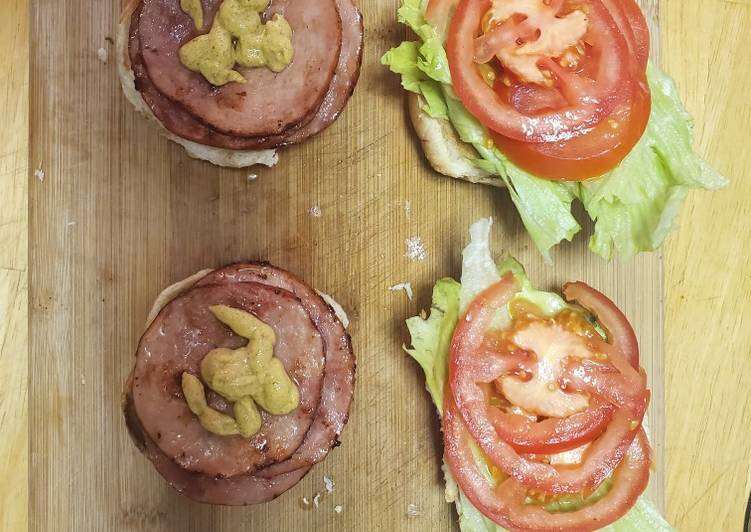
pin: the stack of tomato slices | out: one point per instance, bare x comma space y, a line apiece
551, 407
560, 84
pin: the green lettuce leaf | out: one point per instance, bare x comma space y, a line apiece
406, 61
432, 59
431, 338
643, 517
402, 60
634, 207
412, 13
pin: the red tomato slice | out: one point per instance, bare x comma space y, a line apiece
590, 155
607, 382
470, 366
552, 435
529, 98
630, 19
505, 503
593, 99
617, 327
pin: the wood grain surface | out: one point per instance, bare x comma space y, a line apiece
14, 440
708, 278
93, 279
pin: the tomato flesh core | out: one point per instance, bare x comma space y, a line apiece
521, 34
551, 344
523, 430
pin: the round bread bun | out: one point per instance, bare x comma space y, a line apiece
217, 156
446, 152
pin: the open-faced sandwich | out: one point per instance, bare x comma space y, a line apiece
233, 80
243, 381
542, 401
557, 101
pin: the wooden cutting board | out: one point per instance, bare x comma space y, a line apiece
121, 213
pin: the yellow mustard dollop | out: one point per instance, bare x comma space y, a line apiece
248, 377
212, 420
237, 36
195, 10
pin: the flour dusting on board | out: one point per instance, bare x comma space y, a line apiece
415, 249
39, 173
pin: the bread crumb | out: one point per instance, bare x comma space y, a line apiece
412, 510
407, 287
102, 55
338, 508
315, 211
305, 501
329, 483
338, 310
39, 173
407, 207
83, 380
70, 223
316, 500
252, 177
415, 249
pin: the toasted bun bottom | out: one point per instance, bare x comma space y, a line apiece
217, 156
446, 152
